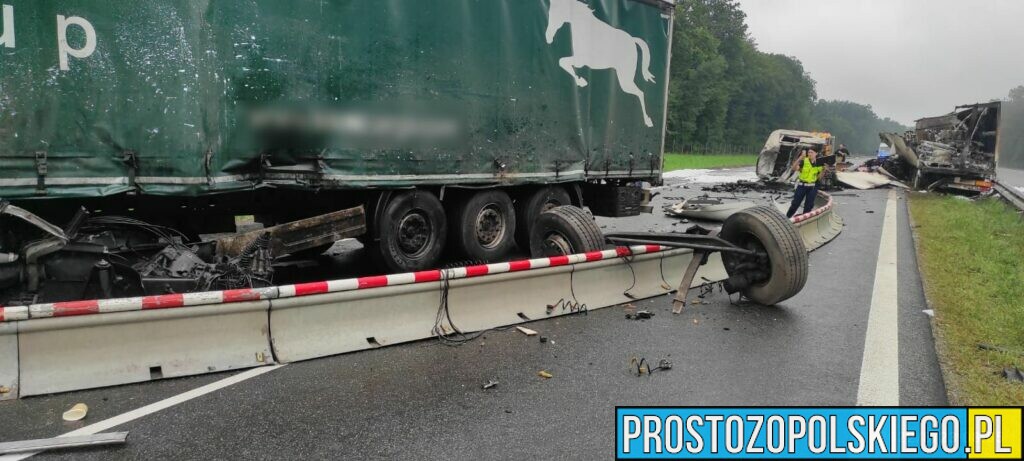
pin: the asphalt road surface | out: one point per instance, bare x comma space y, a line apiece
424, 400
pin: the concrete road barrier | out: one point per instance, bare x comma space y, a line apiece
478, 298
81, 352
821, 225
8, 360
58, 347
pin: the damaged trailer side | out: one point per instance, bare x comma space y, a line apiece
101, 257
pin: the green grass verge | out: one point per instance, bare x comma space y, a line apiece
691, 161
972, 261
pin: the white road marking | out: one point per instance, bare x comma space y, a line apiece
155, 407
880, 368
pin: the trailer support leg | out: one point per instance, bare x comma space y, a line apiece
684, 286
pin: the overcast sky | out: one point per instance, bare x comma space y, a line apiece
906, 58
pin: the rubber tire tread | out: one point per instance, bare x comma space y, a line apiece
574, 223
462, 226
386, 254
786, 251
528, 210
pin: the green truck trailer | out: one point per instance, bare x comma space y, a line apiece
422, 128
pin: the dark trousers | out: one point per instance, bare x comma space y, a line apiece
804, 193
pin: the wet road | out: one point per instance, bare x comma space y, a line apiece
424, 399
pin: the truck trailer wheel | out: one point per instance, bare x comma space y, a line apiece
530, 207
411, 232
778, 270
484, 225
565, 230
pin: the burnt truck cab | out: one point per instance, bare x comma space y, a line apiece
782, 148
954, 151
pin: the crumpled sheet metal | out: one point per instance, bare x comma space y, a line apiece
864, 180
707, 212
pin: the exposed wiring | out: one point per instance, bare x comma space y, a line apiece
573, 307
444, 327
641, 366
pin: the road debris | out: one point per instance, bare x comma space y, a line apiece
707, 209
863, 180
1013, 374
545, 374
76, 413
526, 331
640, 315
929, 312
543, 339
641, 367
990, 347
490, 383
75, 441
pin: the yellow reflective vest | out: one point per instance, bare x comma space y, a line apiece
809, 173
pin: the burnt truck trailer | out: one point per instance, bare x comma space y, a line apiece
954, 151
130, 129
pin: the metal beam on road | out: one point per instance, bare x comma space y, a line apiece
1010, 194
880, 368
137, 413
58, 443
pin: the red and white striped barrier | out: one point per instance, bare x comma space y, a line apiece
101, 306
815, 212
312, 288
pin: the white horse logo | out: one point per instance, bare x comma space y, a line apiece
598, 45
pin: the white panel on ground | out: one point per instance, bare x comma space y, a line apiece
68, 353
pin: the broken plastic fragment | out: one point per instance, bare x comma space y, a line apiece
77, 412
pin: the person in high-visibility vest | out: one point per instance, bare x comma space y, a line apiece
807, 182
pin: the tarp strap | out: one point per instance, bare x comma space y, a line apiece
131, 159
41, 170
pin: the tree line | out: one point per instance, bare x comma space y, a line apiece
724, 91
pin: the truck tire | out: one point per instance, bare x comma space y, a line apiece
781, 258
565, 230
411, 233
484, 226
530, 207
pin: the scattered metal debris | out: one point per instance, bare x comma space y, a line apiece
990, 347
1013, 374
490, 383
106, 256
641, 367
707, 210
640, 315
864, 180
